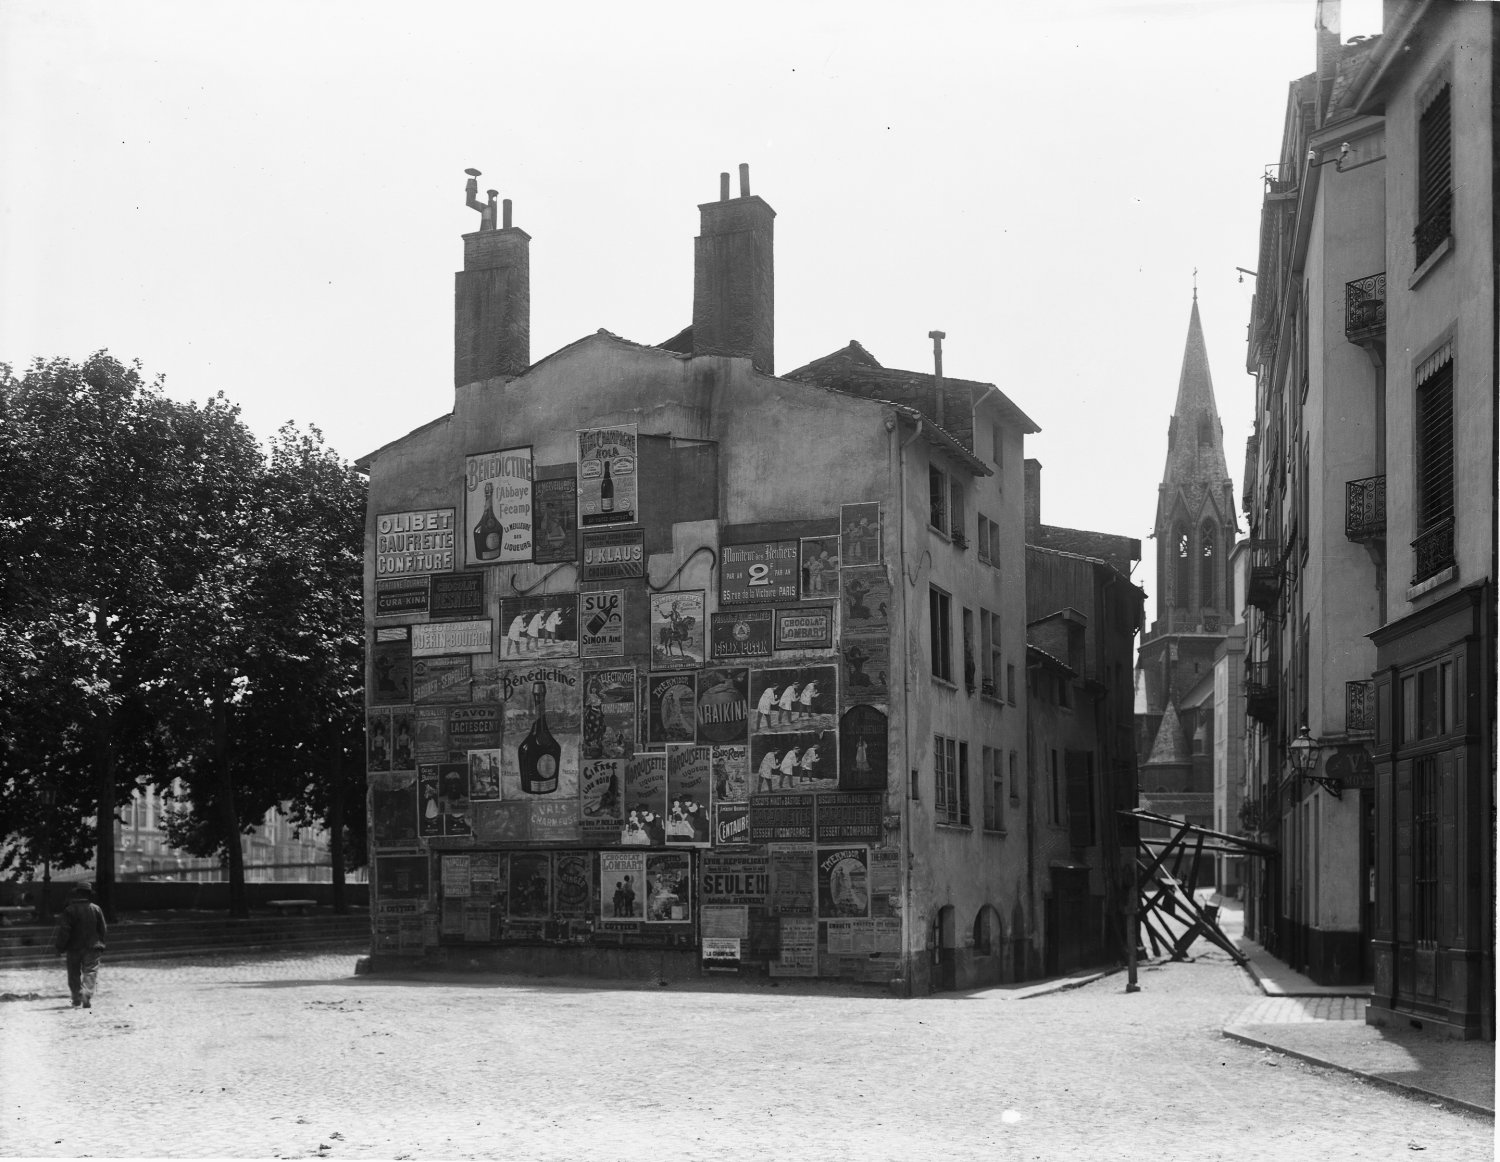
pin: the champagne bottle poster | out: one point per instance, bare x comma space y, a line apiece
608, 714
688, 795
645, 801
542, 707
607, 461
677, 621
498, 515
539, 627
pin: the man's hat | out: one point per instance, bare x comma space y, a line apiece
84, 889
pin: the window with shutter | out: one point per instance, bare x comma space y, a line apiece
1433, 547
1080, 772
1434, 175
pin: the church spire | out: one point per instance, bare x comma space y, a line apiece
1195, 438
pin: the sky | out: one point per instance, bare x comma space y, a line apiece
267, 199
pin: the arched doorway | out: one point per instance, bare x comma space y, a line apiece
945, 950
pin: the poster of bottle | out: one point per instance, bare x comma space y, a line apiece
403, 740
843, 882
390, 663
645, 801
530, 885
744, 633
669, 888
859, 529
445, 799
378, 740
819, 559
607, 459
794, 729
622, 880
672, 709
731, 773
393, 810
689, 798
441, 681
539, 627
498, 518
542, 711
862, 748
601, 813
867, 600
484, 774
867, 666
677, 629
601, 616
723, 706
608, 714
572, 884
556, 506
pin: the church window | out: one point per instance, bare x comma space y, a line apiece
1208, 570
1180, 539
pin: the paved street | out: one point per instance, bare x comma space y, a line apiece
296, 1057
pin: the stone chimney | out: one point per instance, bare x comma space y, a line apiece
733, 277
1033, 499
492, 296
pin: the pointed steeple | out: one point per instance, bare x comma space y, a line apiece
1195, 439
1170, 746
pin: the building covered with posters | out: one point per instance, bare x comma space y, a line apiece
634, 706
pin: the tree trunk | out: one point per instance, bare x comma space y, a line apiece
336, 817
104, 792
239, 904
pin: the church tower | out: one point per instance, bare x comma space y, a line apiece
1195, 529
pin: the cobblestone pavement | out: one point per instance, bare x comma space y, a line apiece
296, 1057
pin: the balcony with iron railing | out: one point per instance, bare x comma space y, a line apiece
1364, 509
1432, 551
1359, 707
1364, 308
1260, 692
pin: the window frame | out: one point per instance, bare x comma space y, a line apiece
940, 632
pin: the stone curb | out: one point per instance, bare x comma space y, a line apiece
1239, 1033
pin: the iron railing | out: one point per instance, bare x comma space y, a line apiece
1433, 550
1359, 706
1364, 307
1433, 229
1364, 509
1260, 692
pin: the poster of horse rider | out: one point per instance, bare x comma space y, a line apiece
677, 629
866, 599
608, 714
539, 627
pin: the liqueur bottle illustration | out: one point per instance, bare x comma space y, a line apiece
487, 531
607, 491
539, 752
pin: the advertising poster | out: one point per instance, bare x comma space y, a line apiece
782, 818
455, 875
799, 948
731, 824
758, 573
395, 596
608, 714
601, 616
808, 628
862, 748
672, 708
390, 663
851, 817
555, 503
572, 884
554, 821
484, 774
688, 796
607, 459
723, 705
744, 633
793, 729
723, 923
431, 638
677, 629
378, 740
403, 740
432, 734
843, 882
885, 883
440, 681
414, 542
539, 627
473, 727
614, 556
484, 680
477, 922
669, 888
542, 709
530, 885
401, 877
735, 879
731, 768
497, 507
866, 664
501, 822
867, 600
445, 799
622, 879
859, 528
820, 568
458, 595
601, 814
645, 801
393, 810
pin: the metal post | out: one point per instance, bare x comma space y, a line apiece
1132, 929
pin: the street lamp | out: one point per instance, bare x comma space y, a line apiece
1304, 755
47, 792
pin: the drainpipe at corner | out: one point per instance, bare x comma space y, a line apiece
899, 455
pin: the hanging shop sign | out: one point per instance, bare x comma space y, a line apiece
395, 596
414, 542
457, 595
757, 573
431, 638
614, 556
607, 493
744, 633
498, 507
556, 506
806, 628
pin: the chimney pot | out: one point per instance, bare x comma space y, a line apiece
724, 187
505, 212
744, 179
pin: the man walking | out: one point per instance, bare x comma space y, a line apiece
80, 934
